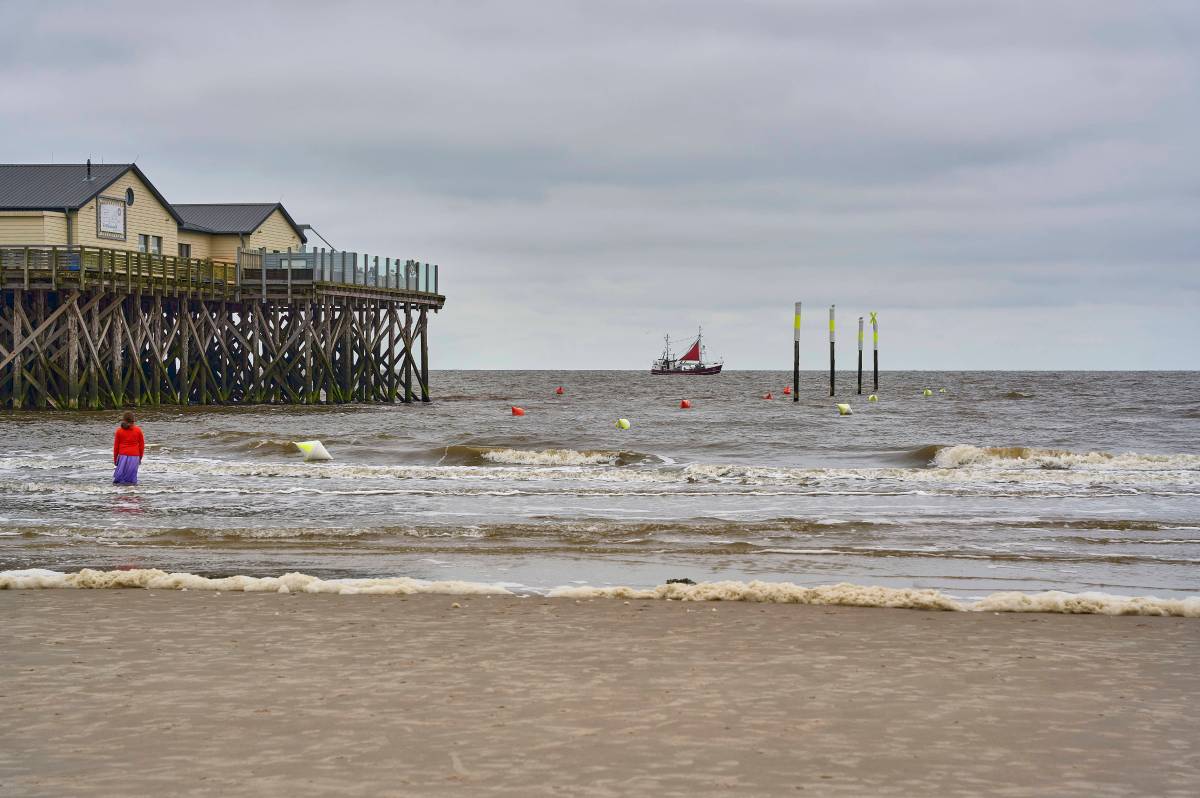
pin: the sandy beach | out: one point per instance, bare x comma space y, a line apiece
153, 692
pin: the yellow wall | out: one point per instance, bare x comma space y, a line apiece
274, 234
146, 216
33, 227
56, 227
201, 244
224, 248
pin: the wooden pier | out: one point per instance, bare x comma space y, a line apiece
85, 327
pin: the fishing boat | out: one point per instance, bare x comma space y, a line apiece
691, 362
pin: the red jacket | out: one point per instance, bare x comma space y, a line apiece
128, 441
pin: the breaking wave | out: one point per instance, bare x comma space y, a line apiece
155, 579
850, 595
456, 454
843, 594
499, 455
962, 455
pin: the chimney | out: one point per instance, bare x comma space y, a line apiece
89, 172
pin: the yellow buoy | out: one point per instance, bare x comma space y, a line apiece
872, 398
313, 450
622, 423
942, 390
843, 409
927, 392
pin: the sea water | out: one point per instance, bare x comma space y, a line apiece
1006, 482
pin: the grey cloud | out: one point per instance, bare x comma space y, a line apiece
650, 166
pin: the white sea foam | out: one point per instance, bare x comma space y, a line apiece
549, 457
288, 583
775, 593
1087, 604
844, 594
1053, 459
550, 471
1001, 471
851, 595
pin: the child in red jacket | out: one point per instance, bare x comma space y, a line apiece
128, 448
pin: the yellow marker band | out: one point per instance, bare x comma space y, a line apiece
797, 324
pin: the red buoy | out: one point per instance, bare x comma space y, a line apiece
768, 395
518, 411
787, 390
684, 404
559, 390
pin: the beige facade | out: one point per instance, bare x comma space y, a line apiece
33, 227
274, 234
224, 247
150, 224
201, 244
146, 216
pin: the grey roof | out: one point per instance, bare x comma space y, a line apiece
54, 186
40, 187
231, 218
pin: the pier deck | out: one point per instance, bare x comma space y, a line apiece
94, 328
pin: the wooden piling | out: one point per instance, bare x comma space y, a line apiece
860, 350
875, 346
832, 354
425, 354
18, 373
408, 369
796, 354
72, 354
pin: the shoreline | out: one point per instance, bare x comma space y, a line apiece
842, 594
232, 693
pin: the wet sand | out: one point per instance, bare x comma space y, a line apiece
140, 692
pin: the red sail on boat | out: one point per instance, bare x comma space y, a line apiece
693, 354
691, 362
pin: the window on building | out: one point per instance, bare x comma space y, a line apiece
185, 250
143, 243
155, 245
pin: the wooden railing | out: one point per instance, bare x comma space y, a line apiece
97, 267
256, 273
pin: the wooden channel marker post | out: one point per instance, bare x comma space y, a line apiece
796, 355
860, 342
832, 355
875, 342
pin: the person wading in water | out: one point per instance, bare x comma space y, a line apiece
128, 448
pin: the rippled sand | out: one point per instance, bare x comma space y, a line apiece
145, 692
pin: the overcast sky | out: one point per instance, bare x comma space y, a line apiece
1009, 184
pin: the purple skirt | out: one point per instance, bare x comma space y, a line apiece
126, 470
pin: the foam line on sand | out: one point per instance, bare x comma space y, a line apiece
844, 594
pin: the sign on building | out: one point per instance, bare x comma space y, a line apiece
110, 218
